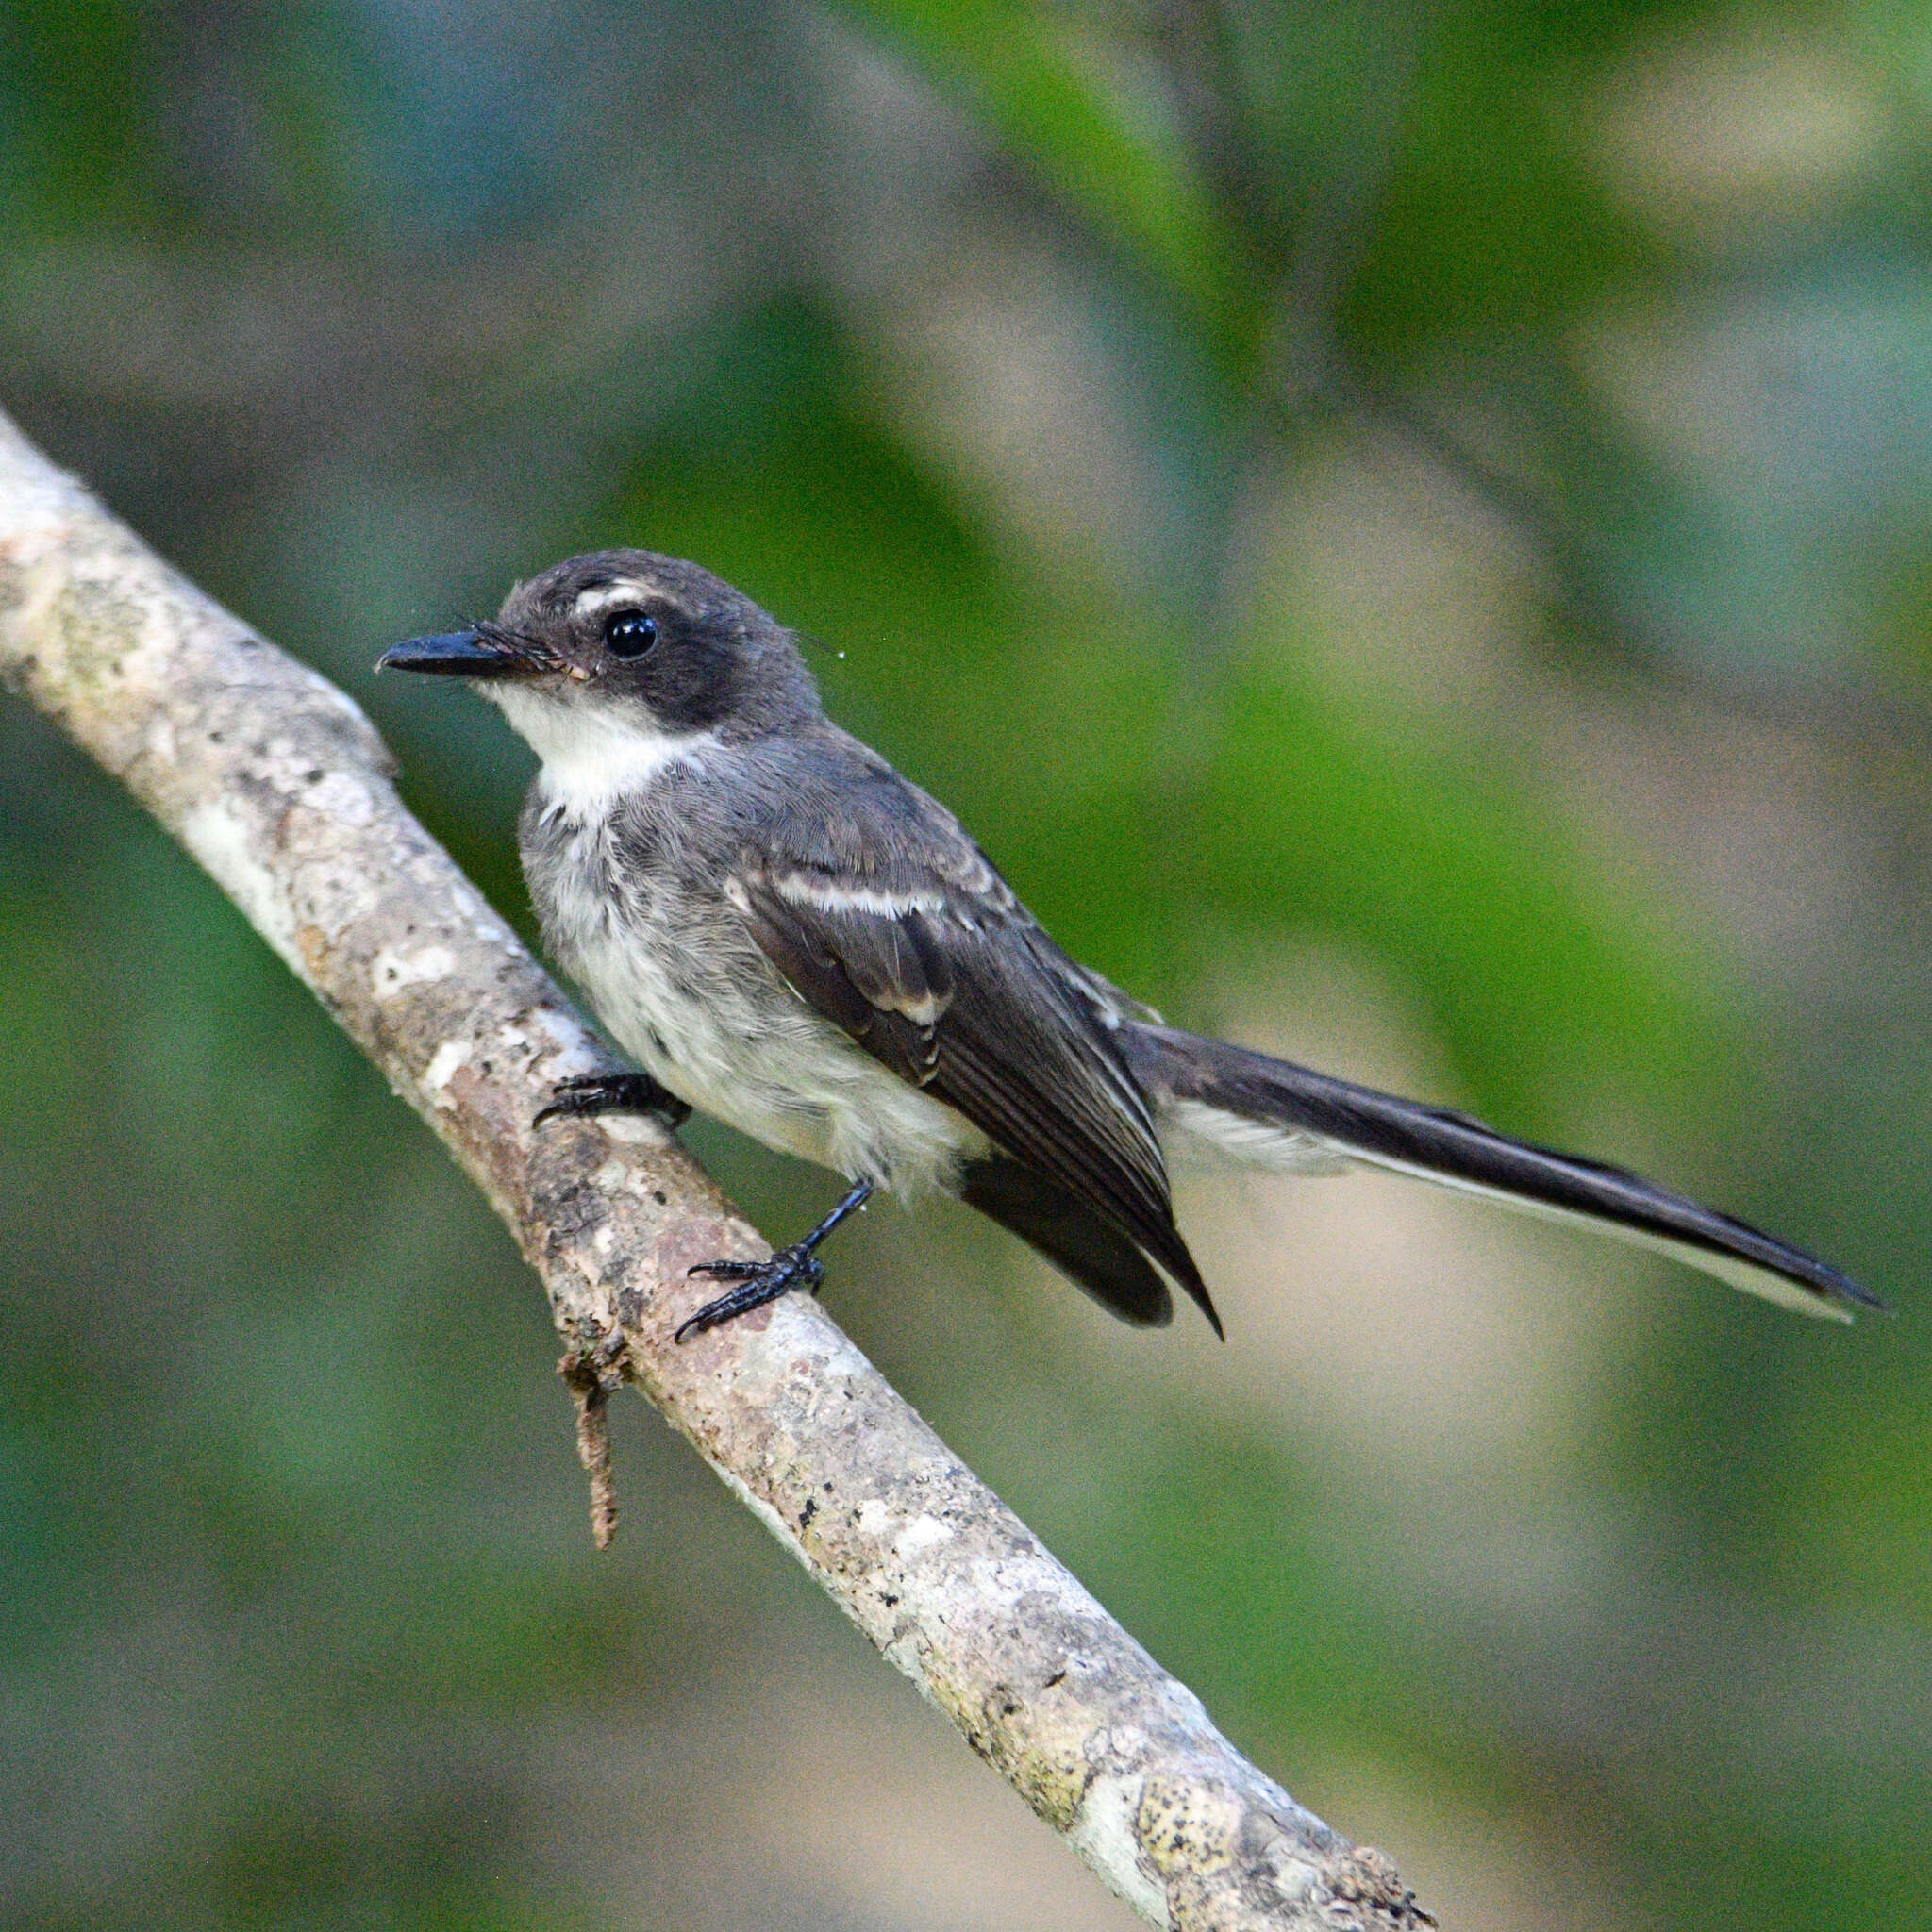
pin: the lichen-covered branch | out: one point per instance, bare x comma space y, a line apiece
279, 785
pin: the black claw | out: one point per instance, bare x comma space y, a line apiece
730, 1271
758, 1282
587, 1095
765, 1281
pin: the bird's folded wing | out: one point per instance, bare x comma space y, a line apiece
933, 967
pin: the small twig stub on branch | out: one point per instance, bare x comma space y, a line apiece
591, 1376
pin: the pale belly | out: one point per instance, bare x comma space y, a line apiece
687, 992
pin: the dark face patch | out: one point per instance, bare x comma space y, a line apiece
629, 626
688, 667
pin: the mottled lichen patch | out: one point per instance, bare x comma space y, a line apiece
396, 968
97, 628
442, 1069
222, 837
1104, 1831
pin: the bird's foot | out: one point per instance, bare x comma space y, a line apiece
587, 1095
758, 1282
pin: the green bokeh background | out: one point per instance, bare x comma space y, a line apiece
1404, 531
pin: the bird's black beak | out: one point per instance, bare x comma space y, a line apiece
466, 654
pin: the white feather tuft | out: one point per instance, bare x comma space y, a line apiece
1193, 1127
593, 755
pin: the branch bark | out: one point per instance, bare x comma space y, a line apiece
279, 784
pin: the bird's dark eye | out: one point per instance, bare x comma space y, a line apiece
630, 633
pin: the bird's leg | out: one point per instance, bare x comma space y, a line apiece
759, 1282
594, 1094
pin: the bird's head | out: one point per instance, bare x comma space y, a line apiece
625, 643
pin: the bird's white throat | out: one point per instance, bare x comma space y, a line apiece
592, 753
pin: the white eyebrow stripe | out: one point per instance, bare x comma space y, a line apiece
627, 590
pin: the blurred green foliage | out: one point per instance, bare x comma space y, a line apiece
1437, 489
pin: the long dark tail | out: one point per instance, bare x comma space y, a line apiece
1274, 1115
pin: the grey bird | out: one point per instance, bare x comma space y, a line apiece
788, 936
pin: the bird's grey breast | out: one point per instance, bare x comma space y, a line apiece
628, 912
631, 895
